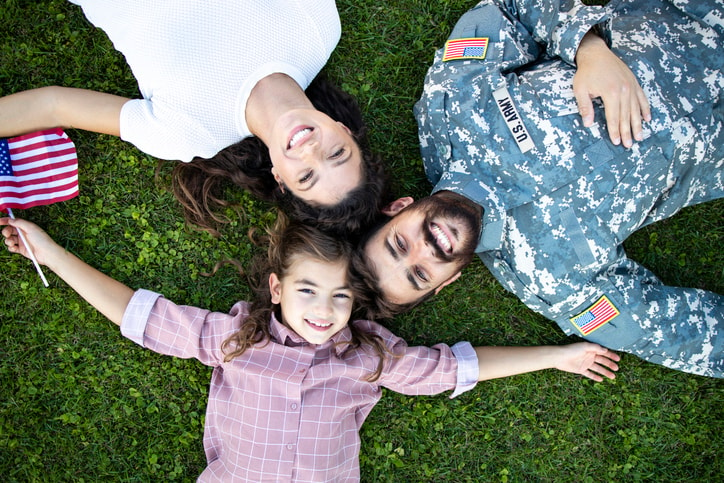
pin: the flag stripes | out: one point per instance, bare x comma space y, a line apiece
37, 169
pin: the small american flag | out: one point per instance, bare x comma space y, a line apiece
39, 168
472, 48
595, 316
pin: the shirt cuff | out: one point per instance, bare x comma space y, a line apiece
133, 324
468, 369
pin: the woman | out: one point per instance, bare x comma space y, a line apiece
212, 74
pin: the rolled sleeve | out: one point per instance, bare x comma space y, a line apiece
133, 324
468, 368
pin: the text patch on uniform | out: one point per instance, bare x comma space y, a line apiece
598, 314
512, 119
472, 48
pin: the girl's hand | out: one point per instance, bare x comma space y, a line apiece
40, 242
590, 360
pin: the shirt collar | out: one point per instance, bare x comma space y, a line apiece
282, 334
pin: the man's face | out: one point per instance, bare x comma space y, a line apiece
424, 246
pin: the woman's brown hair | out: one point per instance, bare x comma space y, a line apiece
200, 186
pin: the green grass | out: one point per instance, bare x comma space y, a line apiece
80, 403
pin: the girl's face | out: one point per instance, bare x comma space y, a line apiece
315, 157
315, 299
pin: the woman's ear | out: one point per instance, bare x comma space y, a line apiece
275, 288
349, 131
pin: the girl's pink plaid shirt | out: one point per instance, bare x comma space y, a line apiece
288, 410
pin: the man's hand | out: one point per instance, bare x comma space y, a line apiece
602, 74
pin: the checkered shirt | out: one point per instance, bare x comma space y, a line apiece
288, 410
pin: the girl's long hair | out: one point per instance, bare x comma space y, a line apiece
200, 186
290, 240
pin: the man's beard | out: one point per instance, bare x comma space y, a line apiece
450, 206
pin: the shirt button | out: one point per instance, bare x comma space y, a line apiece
290, 447
294, 406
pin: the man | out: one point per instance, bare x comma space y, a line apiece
526, 176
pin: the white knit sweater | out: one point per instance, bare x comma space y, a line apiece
197, 61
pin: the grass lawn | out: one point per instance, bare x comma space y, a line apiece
80, 403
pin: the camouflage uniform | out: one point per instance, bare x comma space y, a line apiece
555, 216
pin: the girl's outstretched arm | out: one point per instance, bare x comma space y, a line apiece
107, 295
585, 358
49, 107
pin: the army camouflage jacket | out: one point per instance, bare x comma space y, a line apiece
499, 124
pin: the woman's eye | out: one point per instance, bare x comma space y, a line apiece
307, 176
337, 154
343, 296
307, 291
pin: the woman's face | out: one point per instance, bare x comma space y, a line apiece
315, 157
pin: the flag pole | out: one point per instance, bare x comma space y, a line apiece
30, 252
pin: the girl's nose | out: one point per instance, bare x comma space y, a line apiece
324, 308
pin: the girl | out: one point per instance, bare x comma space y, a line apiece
212, 74
293, 379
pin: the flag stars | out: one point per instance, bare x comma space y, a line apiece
6, 168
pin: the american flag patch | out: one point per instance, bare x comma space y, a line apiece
595, 316
472, 48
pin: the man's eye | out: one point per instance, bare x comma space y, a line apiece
400, 244
420, 274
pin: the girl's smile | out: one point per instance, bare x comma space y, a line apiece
315, 298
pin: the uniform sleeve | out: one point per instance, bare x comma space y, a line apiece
180, 331
680, 328
558, 24
429, 370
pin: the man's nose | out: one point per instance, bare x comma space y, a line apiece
420, 251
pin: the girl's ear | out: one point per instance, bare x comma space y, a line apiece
275, 288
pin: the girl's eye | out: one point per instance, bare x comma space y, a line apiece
343, 296
307, 176
307, 291
337, 154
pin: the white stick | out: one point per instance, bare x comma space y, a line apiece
30, 252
